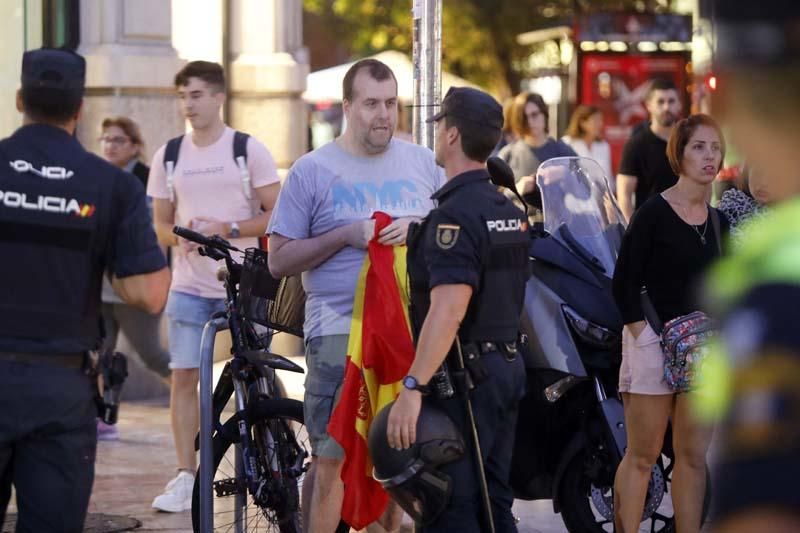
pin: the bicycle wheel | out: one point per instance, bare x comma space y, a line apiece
280, 444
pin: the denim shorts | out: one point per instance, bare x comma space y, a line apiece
187, 315
325, 359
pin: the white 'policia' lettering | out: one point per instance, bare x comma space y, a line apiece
50, 204
53, 173
511, 224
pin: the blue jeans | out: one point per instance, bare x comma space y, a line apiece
187, 316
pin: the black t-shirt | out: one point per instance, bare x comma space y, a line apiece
66, 217
645, 157
665, 254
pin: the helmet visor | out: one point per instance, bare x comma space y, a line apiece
423, 496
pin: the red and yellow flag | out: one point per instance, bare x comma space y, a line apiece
379, 353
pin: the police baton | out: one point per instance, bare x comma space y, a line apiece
487, 504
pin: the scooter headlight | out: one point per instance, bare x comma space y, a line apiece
589, 331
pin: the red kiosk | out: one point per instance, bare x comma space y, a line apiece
617, 55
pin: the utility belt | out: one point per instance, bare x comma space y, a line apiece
75, 360
112, 366
452, 378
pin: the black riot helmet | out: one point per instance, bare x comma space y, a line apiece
411, 476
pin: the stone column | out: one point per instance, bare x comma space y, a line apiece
267, 75
130, 65
130, 68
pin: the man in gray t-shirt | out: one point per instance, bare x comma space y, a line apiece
320, 226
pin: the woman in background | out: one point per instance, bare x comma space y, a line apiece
585, 136
750, 198
123, 147
529, 118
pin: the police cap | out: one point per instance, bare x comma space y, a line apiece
51, 68
471, 104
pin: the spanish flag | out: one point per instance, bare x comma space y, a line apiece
379, 353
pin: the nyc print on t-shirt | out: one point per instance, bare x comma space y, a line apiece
399, 198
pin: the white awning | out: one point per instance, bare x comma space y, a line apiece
326, 85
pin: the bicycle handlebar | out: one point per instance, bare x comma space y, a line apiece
214, 241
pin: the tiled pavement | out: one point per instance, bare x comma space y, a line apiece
130, 472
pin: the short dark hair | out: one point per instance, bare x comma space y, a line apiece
660, 84
681, 134
56, 106
377, 70
477, 140
519, 122
209, 72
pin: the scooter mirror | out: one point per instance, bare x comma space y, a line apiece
501, 173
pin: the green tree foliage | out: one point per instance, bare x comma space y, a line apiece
479, 36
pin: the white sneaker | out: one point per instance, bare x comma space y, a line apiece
177, 495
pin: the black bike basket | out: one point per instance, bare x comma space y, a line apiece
278, 304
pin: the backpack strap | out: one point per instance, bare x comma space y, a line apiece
649, 310
715, 223
240, 156
171, 153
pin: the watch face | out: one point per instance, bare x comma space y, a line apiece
410, 382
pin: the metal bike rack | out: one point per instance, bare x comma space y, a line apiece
206, 421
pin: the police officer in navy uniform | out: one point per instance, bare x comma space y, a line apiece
66, 218
468, 265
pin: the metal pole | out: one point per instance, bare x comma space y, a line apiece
240, 500
206, 422
427, 60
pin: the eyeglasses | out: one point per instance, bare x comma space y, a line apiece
114, 140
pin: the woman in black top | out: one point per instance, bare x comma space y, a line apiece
669, 243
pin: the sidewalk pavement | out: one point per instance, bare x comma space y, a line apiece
130, 472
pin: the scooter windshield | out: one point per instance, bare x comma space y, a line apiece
580, 211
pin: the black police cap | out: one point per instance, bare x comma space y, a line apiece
766, 32
471, 104
51, 68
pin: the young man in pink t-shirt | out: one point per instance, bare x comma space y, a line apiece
208, 194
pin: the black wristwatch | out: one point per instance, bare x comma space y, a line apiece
411, 383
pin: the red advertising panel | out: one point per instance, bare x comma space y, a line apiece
616, 83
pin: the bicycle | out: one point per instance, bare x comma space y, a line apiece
260, 454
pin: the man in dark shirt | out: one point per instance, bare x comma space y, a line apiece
66, 217
644, 169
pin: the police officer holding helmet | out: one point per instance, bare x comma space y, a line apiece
468, 265
66, 218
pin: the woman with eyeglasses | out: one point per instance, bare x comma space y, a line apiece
122, 146
529, 122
